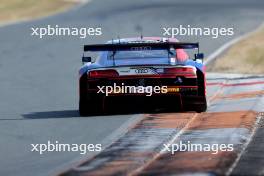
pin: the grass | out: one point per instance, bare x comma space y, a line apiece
17, 10
247, 56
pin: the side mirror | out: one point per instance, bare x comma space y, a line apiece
199, 56
86, 59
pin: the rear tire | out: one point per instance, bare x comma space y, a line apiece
90, 105
201, 106
83, 108
197, 104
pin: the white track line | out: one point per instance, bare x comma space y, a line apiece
244, 147
213, 57
109, 140
138, 170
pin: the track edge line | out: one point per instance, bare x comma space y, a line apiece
230, 170
109, 140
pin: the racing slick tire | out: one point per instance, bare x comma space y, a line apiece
197, 104
83, 108
201, 106
90, 105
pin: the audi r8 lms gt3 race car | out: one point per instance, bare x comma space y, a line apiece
142, 71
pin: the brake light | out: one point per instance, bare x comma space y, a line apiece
103, 74
181, 70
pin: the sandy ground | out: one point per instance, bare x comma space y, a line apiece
17, 10
246, 56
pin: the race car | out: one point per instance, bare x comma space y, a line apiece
141, 71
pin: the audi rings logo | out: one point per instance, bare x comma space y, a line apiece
142, 70
141, 48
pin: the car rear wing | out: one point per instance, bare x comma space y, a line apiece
140, 46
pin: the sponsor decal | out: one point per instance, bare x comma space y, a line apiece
141, 48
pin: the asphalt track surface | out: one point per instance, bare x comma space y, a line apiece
38, 77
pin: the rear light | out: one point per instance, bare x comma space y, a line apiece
181, 71
103, 74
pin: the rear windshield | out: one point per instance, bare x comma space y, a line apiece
140, 54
